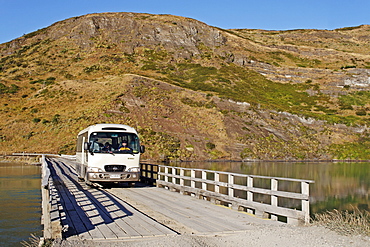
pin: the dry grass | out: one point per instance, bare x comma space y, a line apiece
33, 241
347, 223
21, 159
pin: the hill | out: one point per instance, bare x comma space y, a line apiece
193, 91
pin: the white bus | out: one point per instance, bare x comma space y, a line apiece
108, 153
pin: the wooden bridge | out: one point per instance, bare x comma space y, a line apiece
73, 210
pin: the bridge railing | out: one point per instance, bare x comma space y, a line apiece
276, 198
50, 214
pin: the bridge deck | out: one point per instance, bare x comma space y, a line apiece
186, 214
92, 213
120, 213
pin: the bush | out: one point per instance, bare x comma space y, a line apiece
210, 145
12, 89
45, 82
56, 119
361, 112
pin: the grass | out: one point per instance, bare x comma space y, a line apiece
355, 222
244, 85
36, 241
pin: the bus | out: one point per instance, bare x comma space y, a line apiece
108, 153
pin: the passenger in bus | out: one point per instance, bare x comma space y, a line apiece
107, 147
95, 146
125, 148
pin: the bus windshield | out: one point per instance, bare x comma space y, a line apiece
114, 142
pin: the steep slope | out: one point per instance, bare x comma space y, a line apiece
193, 91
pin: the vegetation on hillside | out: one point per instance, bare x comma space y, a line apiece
236, 94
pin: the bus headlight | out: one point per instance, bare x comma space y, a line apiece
134, 169
94, 169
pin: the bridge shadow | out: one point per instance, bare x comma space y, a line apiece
126, 185
78, 216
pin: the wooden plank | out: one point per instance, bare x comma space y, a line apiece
86, 230
195, 214
102, 232
112, 221
95, 218
77, 225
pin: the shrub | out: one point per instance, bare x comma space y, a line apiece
56, 119
361, 112
210, 145
12, 89
94, 68
45, 82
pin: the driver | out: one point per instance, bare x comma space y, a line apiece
124, 147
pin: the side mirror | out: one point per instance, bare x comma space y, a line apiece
142, 149
86, 146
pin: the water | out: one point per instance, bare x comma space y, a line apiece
340, 186
20, 203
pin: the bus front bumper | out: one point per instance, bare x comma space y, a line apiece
113, 176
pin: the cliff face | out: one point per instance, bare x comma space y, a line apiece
192, 90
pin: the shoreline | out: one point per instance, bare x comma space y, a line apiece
24, 154
34, 156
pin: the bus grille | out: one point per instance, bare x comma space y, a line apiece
114, 168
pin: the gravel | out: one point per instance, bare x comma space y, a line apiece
304, 236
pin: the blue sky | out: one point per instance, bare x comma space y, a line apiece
19, 17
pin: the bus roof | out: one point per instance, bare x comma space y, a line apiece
109, 127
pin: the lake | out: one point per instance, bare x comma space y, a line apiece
20, 198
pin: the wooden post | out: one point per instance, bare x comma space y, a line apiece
230, 185
204, 177
250, 193
192, 176
158, 175
166, 172
305, 187
217, 179
182, 184
173, 175
274, 199
182, 174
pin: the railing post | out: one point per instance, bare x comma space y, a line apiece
173, 175
166, 172
217, 179
305, 190
250, 193
230, 185
151, 171
182, 174
274, 199
204, 177
192, 176
158, 175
